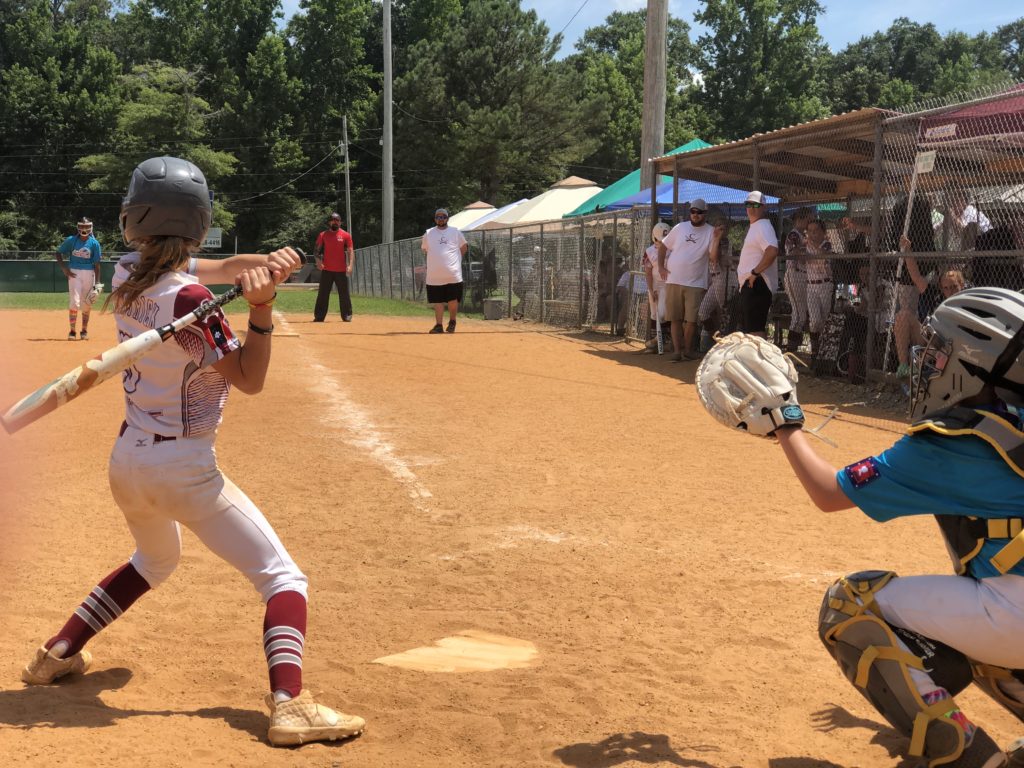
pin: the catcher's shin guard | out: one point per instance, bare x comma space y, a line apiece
871, 656
988, 678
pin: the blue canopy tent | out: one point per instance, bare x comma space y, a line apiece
714, 195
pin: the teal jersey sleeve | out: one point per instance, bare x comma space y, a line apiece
928, 474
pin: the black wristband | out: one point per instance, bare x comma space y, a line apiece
260, 331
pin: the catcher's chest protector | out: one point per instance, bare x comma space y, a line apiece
965, 536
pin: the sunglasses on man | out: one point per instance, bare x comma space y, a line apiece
752, 205
697, 211
440, 218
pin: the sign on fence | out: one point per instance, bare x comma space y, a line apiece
213, 238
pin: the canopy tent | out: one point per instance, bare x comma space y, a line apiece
488, 216
712, 194
628, 185
469, 214
558, 200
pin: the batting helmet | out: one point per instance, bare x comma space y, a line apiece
975, 338
660, 230
167, 196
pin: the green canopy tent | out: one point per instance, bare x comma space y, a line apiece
628, 185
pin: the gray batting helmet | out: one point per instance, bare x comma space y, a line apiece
974, 338
167, 196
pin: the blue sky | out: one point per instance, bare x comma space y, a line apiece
843, 22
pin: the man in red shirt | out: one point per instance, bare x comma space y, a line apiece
335, 258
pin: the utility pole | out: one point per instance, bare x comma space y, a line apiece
388, 181
348, 189
652, 140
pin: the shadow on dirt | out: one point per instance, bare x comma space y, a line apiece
636, 747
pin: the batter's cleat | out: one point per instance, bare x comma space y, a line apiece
45, 667
71, 335
1015, 752
84, 335
301, 720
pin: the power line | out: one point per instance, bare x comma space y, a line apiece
584, 5
282, 186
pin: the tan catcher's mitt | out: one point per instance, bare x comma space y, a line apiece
747, 383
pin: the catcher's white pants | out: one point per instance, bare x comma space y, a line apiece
819, 304
795, 283
982, 618
79, 285
159, 485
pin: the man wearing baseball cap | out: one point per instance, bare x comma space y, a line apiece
445, 246
683, 258
335, 258
757, 271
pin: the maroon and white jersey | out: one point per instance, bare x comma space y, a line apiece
174, 390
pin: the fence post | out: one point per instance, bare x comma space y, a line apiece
540, 287
511, 257
612, 282
391, 273
583, 256
876, 202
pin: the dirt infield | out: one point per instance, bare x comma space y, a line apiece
558, 489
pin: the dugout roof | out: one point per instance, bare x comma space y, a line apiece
828, 159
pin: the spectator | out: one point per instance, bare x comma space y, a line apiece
758, 271
622, 296
692, 245
950, 283
335, 258
83, 272
855, 328
655, 283
794, 279
445, 246
820, 288
711, 314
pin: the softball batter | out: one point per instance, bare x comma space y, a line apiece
163, 470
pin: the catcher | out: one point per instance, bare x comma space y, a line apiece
911, 644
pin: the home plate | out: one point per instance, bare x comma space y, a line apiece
466, 651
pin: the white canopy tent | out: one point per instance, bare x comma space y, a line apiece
561, 198
471, 213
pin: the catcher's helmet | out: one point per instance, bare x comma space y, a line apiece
85, 225
660, 230
974, 338
167, 196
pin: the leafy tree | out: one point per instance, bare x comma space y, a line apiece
760, 64
164, 115
610, 59
1010, 38
487, 105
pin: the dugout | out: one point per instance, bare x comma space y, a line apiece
961, 162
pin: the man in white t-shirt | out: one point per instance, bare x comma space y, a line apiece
445, 246
683, 257
758, 271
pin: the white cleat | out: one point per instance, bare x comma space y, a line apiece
301, 720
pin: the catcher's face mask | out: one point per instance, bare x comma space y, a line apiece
927, 363
85, 229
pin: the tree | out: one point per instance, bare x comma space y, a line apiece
1010, 38
610, 59
163, 116
760, 64
489, 107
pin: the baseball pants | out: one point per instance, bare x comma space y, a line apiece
795, 283
79, 285
162, 485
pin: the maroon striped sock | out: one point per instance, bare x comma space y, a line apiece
108, 600
284, 636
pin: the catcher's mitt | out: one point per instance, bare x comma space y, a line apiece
747, 383
93, 294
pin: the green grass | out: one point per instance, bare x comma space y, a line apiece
298, 301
